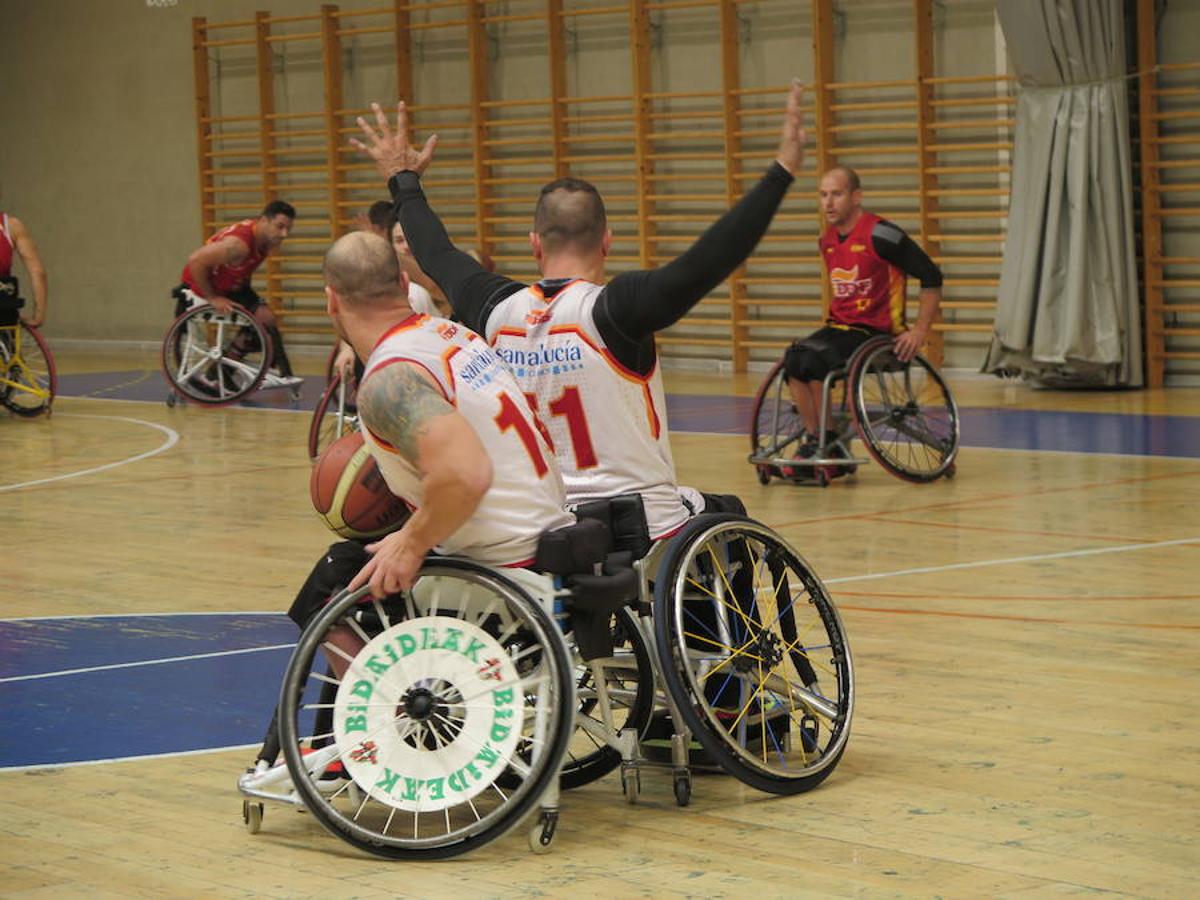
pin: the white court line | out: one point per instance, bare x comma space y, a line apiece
144, 615
1125, 548
99, 762
171, 441
144, 662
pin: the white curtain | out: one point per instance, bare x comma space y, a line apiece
1067, 308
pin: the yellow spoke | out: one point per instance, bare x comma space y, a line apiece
745, 619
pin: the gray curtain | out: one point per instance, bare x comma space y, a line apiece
1067, 309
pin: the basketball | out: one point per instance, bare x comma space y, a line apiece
349, 493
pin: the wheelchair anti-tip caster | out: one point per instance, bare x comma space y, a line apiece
541, 835
252, 815
683, 787
631, 782
172, 399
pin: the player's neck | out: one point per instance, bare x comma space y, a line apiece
365, 331
848, 226
565, 265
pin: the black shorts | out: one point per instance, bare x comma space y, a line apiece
245, 296
333, 571
826, 349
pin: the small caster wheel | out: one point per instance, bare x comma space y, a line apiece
172, 399
951, 470
683, 788
631, 784
541, 835
252, 815
296, 394
764, 474
821, 476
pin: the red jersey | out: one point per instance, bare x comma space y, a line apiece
6, 247
228, 278
868, 291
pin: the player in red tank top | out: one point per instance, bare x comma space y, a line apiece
867, 259
220, 271
15, 239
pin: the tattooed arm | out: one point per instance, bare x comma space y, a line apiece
400, 405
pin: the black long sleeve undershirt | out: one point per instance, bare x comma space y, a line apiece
893, 244
634, 305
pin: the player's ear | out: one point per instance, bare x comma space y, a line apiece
405, 282
535, 244
606, 242
332, 301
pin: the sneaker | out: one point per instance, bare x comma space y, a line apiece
806, 450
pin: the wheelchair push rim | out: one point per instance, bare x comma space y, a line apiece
454, 674
904, 413
213, 359
754, 654
332, 418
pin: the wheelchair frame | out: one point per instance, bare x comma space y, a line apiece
332, 407
202, 363
850, 418
688, 667
25, 391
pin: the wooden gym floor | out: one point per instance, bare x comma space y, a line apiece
1026, 639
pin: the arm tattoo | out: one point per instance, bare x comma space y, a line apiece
397, 404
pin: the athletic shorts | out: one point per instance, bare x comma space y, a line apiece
245, 296
826, 349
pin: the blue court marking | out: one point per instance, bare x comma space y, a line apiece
167, 707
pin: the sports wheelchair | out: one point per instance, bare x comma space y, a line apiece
28, 379
903, 412
215, 359
480, 693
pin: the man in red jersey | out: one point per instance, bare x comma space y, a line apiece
15, 239
867, 259
219, 272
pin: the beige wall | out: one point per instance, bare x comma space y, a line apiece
101, 161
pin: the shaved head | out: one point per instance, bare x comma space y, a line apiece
362, 268
570, 214
851, 177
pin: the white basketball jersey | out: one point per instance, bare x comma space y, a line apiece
609, 424
526, 496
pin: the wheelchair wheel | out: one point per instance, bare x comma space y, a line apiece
629, 685
442, 684
776, 428
904, 413
333, 417
215, 359
753, 653
30, 378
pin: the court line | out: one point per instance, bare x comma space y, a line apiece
145, 662
1038, 620
112, 759
1066, 554
171, 441
887, 519
144, 615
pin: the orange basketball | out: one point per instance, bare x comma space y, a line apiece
349, 493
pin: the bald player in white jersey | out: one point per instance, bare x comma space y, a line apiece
582, 349
449, 428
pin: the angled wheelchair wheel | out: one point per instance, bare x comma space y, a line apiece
334, 416
754, 653
776, 428
440, 687
214, 359
621, 697
904, 413
29, 379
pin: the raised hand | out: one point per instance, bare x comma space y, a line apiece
791, 143
392, 151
